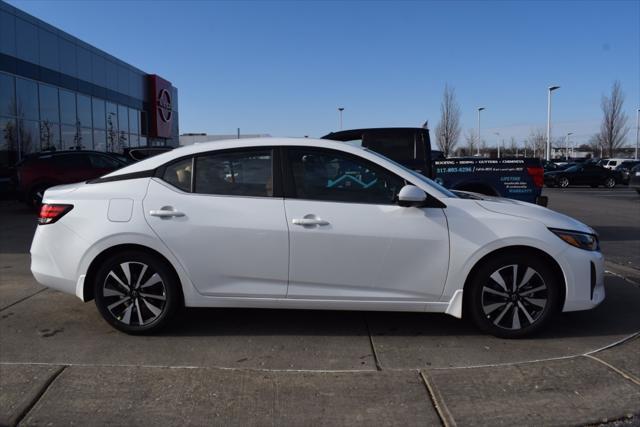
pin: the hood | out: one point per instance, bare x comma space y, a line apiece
549, 218
553, 173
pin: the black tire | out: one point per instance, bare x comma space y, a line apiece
121, 300
610, 182
563, 182
638, 190
498, 310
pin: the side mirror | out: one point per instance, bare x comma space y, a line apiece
410, 195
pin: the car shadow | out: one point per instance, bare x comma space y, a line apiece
616, 316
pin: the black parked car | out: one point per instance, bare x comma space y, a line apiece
634, 178
582, 174
624, 169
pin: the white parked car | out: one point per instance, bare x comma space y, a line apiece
612, 163
307, 224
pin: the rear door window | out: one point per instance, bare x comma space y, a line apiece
246, 173
178, 174
104, 162
72, 161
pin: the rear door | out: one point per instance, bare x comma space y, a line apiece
220, 215
349, 240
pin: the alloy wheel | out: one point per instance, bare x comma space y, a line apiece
564, 182
514, 297
610, 182
134, 294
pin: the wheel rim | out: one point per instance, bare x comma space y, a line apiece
610, 182
134, 294
514, 297
564, 182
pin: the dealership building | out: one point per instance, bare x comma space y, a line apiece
60, 93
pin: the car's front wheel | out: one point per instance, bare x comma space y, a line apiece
563, 182
136, 292
610, 182
513, 295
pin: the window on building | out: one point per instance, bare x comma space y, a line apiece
67, 107
99, 109
99, 140
49, 111
112, 116
49, 135
242, 173
7, 95
123, 118
27, 99
28, 136
86, 139
8, 142
84, 110
334, 176
134, 121
69, 137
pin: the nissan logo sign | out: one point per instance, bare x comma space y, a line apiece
164, 105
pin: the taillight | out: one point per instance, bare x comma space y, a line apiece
51, 213
537, 174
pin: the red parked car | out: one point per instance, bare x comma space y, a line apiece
39, 171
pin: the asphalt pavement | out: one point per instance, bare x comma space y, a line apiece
60, 363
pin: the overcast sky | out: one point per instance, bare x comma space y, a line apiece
283, 68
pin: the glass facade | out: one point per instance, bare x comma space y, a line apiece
59, 93
35, 116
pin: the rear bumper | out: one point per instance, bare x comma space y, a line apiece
55, 252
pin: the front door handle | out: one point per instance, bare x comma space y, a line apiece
309, 221
166, 212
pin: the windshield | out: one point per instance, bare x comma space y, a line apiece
417, 175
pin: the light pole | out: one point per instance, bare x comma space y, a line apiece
566, 146
340, 110
498, 142
551, 89
637, 132
479, 139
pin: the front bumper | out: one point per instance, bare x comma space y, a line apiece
584, 278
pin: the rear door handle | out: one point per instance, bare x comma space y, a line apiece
309, 221
165, 213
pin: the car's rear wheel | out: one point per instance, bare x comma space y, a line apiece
513, 295
136, 292
610, 182
563, 182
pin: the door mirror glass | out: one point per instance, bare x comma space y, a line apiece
410, 195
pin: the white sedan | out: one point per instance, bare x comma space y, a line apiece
307, 224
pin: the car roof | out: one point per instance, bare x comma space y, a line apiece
203, 147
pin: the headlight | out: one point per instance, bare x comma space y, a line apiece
588, 242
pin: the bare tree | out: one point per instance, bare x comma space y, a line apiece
536, 142
613, 129
448, 130
471, 138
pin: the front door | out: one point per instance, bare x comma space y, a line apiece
349, 240
224, 225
